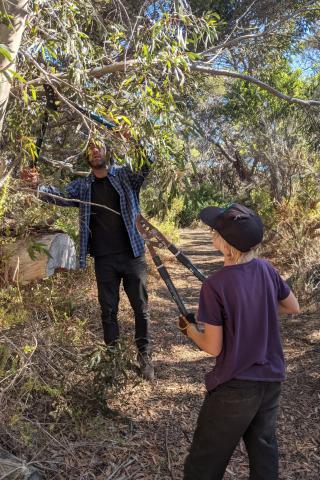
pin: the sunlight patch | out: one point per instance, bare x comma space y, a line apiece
184, 352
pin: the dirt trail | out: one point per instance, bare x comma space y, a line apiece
156, 421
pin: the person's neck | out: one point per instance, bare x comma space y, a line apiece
100, 172
243, 259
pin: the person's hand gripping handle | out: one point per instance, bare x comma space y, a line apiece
185, 321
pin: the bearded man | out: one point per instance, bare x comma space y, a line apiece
111, 237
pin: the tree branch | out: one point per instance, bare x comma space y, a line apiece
234, 41
202, 68
194, 67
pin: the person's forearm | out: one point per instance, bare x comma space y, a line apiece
289, 305
283, 310
199, 339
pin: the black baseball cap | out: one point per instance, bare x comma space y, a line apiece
237, 224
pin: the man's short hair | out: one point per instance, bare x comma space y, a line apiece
96, 143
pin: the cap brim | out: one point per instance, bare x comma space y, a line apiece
209, 215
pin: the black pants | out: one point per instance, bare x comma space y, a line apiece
110, 270
233, 410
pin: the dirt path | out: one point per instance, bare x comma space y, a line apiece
158, 420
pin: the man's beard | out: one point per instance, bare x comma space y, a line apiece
98, 165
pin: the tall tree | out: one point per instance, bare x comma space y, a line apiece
13, 17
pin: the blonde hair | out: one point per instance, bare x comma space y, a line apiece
231, 253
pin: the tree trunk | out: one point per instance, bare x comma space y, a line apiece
10, 36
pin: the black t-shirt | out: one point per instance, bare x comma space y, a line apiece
108, 233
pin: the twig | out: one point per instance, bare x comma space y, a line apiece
17, 375
133, 31
48, 80
38, 425
126, 13
168, 455
120, 467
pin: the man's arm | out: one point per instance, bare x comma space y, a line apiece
137, 178
50, 194
67, 198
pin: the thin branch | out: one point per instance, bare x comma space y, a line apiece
120, 467
5, 176
126, 14
235, 28
64, 165
234, 41
134, 30
270, 29
71, 200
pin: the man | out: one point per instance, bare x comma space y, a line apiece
110, 236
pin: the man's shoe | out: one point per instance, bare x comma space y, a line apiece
146, 366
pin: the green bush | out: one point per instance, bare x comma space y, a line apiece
262, 203
68, 221
168, 226
199, 197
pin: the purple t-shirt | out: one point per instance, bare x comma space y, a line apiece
244, 300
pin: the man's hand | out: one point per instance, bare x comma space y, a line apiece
30, 177
124, 133
184, 322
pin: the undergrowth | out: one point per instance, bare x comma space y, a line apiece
54, 369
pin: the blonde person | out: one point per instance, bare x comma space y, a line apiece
239, 306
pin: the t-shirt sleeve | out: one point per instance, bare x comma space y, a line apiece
282, 287
210, 307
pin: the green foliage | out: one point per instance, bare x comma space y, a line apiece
200, 196
146, 101
5, 52
169, 225
262, 202
110, 366
68, 221
34, 385
5, 19
12, 309
36, 249
4, 192
246, 102
9, 361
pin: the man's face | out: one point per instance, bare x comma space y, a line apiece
97, 156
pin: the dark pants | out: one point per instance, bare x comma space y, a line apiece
110, 270
236, 409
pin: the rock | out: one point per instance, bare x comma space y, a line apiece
12, 468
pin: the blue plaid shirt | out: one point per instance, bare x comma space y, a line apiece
125, 182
